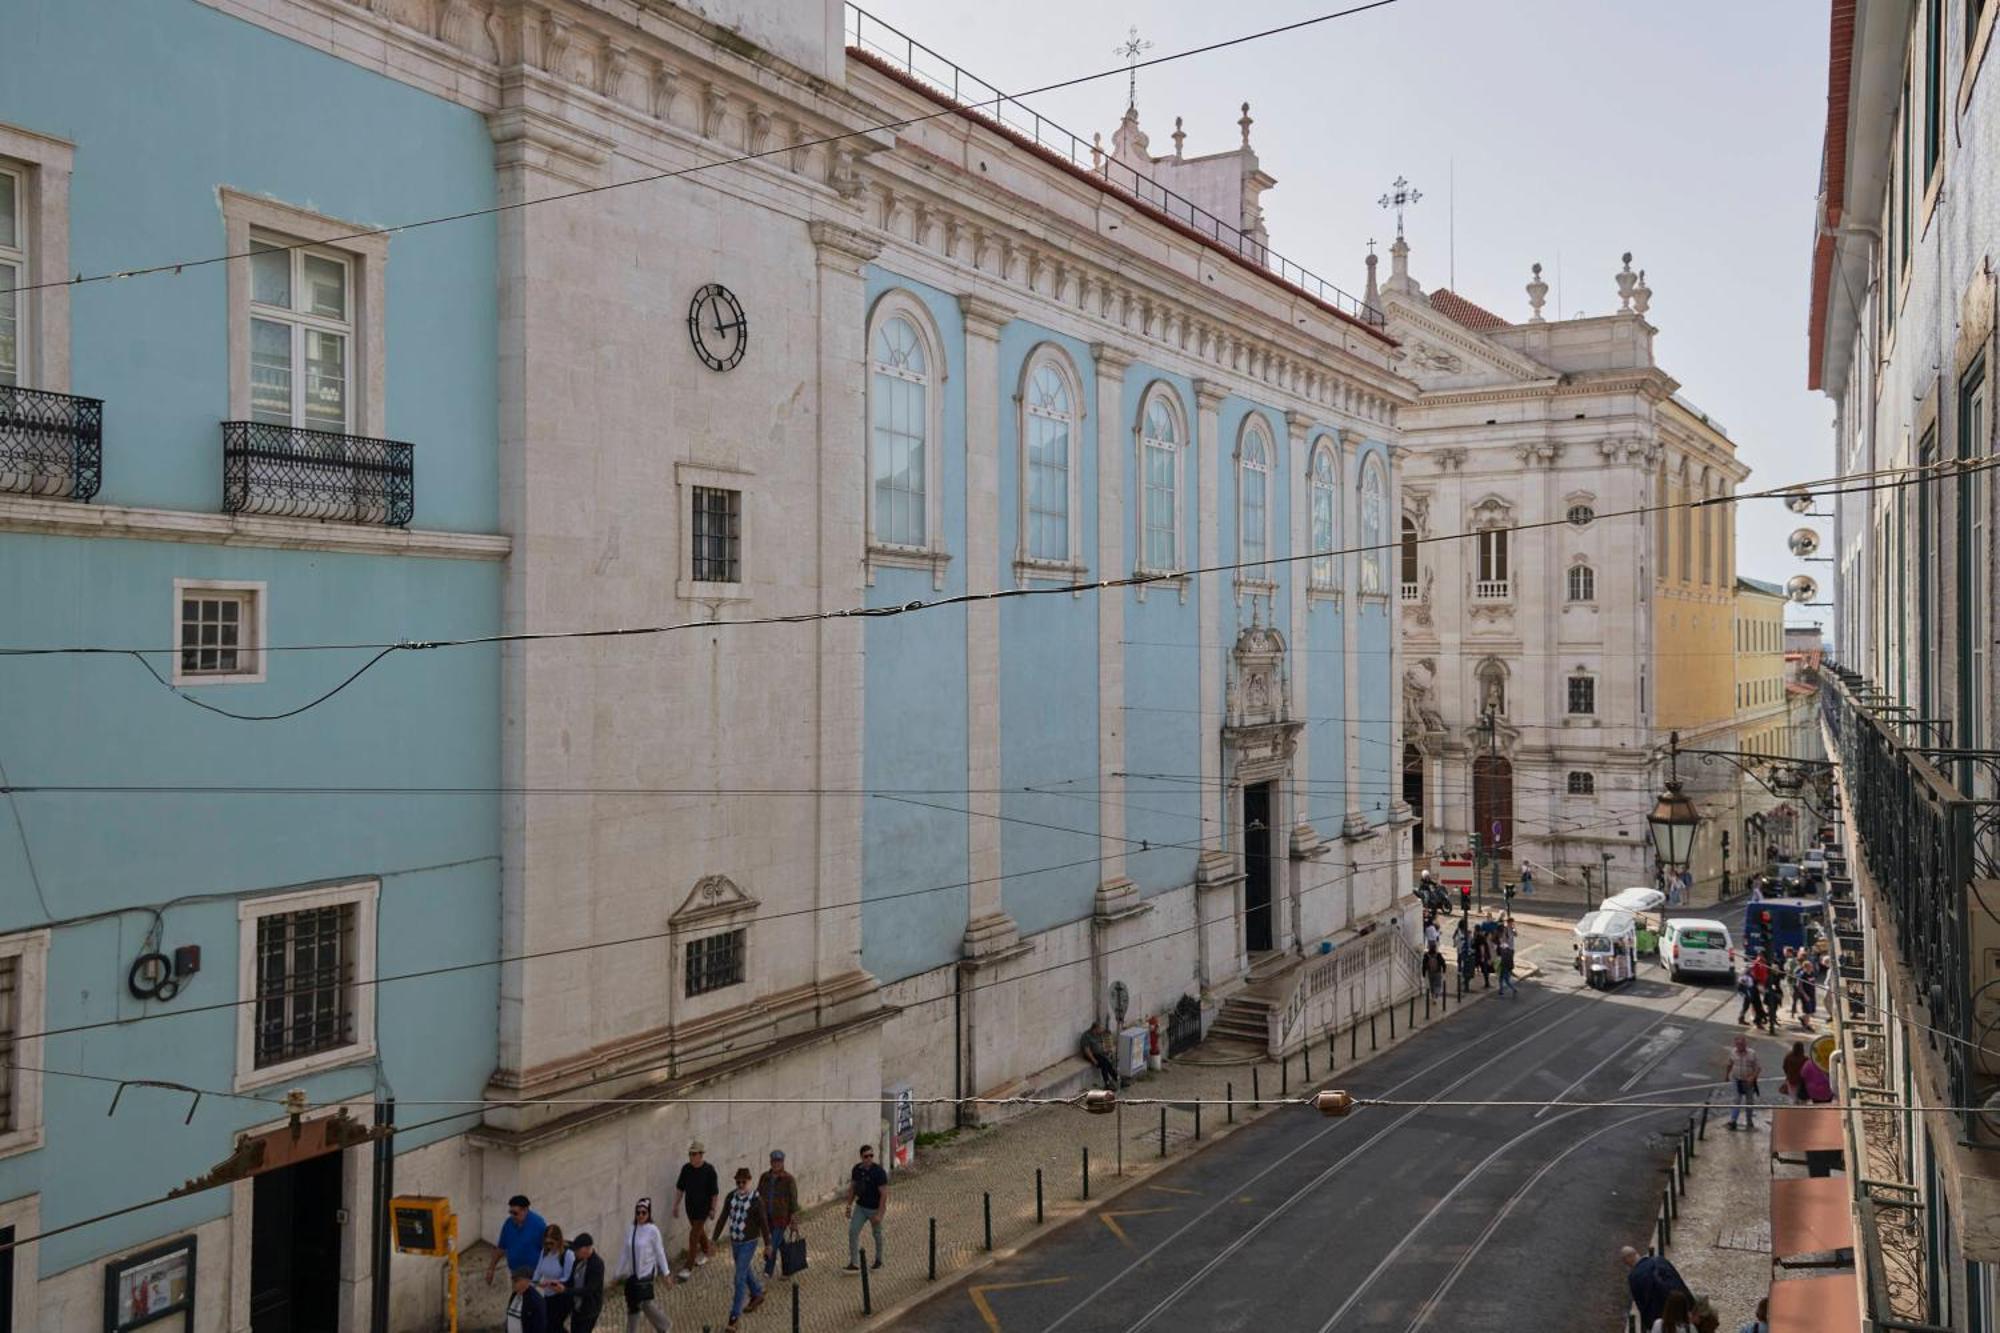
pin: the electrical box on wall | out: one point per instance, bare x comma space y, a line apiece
187, 960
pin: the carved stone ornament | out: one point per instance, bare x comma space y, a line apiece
1420, 697
713, 897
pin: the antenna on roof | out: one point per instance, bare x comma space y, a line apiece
1451, 223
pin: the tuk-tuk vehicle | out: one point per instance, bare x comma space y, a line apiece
1639, 902
1607, 947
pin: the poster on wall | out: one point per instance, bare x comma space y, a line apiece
902, 1108
153, 1290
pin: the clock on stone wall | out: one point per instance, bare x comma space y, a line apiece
718, 327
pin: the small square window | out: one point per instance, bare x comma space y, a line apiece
718, 535
218, 633
1582, 695
1582, 784
715, 962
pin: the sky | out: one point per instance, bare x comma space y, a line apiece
1559, 131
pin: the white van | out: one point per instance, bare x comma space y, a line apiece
1695, 946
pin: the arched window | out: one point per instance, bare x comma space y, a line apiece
1582, 784
1582, 515
1374, 526
1160, 438
1253, 496
1325, 530
901, 396
1049, 433
1582, 583
1409, 571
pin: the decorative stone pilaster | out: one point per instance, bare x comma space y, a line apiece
983, 321
1355, 822
1208, 397
1291, 464
1111, 363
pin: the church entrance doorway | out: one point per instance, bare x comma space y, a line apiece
1493, 803
1413, 794
1259, 930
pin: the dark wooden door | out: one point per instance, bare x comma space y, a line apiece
1413, 793
1493, 803
295, 1248
1258, 928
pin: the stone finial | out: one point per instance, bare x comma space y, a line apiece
1642, 295
1245, 124
1399, 270
1180, 137
1097, 150
1373, 295
1626, 279
1538, 293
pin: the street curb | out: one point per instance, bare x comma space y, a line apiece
947, 1283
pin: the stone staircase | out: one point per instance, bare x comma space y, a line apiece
1244, 1017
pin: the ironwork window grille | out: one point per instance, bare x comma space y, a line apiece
301, 336
1582, 583
899, 416
1325, 523
1582, 784
1582, 515
298, 473
715, 962
1160, 444
718, 535
13, 274
1049, 409
305, 983
218, 633
1253, 480
51, 444
1582, 695
10, 1031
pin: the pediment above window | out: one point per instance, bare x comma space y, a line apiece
715, 900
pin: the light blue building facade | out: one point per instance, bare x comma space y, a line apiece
211, 466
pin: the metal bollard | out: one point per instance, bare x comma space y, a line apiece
867, 1300
1371, 1032
1411, 1022
1197, 1122
933, 1263
1256, 1088
1306, 1055
1086, 1170
1427, 1003
1038, 1196
1284, 1076
1354, 1043
986, 1212
1229, 1096
1332, 1051
1163, 1131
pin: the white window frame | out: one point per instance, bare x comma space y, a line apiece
363, 896
257, 594
1026, 561
1256, 565
299, 323
246, 218
1375, 534
1570, 680
1580, 584
31, 949
1493, 553
42, 166
1323, 570
18, 256
930, 554
1178, 448
714, 476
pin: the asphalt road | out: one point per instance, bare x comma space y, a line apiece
1456, 1218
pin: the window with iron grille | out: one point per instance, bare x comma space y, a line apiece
10, 1028
1582, 515
305, 983
217, 632
714, 962
1582, 695
1582, 784
718, 535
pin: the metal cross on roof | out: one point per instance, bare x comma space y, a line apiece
1400, 196
1131, 49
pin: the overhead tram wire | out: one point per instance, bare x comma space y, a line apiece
177, 266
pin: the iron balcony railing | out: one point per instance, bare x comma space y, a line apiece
1917, 835
51, 444
891, 46
291, 472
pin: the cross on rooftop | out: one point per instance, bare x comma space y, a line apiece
1131, 49
1401, 195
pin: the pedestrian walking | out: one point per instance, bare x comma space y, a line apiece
695, 1189
526, 1310
1774, 999
1507, 985
1434, 971
742, 1217
1791, 970
1753, 999
778, 1193
1807, 989
520, 1238
1795, 1060
1762, 1322
1651, 1279
1527, 882
1676, 1316
643, 1266
1431, 933
1814, 1083
586, 1284
867, 1201
1482, 946
552, 1272
1743, 1071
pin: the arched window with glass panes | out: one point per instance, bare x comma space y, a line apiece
1324, 499
1374, 526
1253, 498
902, 429
1582, 583
1050, 417
1162, 433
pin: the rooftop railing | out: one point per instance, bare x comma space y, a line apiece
896, 48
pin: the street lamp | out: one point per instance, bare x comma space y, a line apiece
1674, 819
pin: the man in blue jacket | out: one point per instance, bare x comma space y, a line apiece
520, 1238
1651, 1280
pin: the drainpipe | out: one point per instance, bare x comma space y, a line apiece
385, 1189
958, 1047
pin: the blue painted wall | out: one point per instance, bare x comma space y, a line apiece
179, 101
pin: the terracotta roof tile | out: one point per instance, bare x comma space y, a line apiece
1456, 308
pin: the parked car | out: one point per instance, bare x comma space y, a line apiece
1693, 945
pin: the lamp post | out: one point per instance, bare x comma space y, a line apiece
1674, 819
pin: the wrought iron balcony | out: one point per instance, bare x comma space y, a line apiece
292, 472
51, 444
1918, 836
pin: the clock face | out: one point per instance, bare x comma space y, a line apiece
716, 324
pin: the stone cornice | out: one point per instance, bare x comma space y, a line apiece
1208, 395
837, 245
983, 316
64, 518
1110, 360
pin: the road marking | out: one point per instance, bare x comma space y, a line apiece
1118, 1231
978, 1295
1243, 1198
1169, 1189
1665, 1042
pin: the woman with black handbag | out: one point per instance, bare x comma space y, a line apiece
643, 1264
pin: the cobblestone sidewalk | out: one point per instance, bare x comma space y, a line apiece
954, 1182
